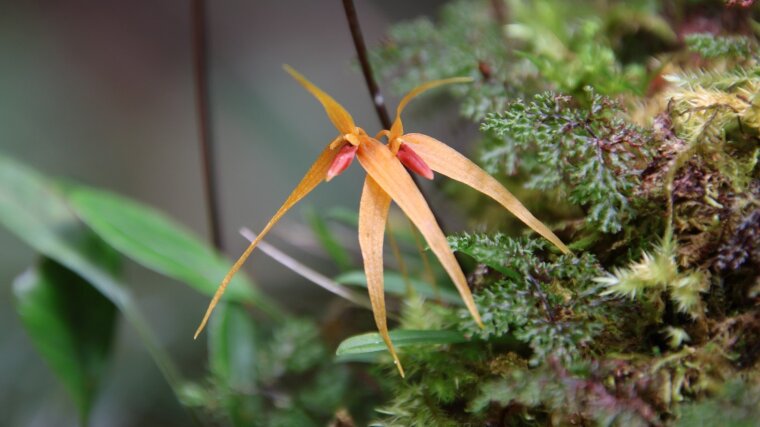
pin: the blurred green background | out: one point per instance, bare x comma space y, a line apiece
101, 92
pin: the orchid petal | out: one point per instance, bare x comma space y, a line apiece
373, 215
397, 129
337, 114
447, 161
412, 160
388, 173
342, 161
313, 177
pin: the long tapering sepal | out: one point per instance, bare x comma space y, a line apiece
449, 162
373, 215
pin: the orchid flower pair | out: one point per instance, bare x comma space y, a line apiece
387, 180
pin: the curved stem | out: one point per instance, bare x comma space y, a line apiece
361, 50
374, 90
500, 12
203, 111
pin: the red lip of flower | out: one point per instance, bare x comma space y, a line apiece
387, 180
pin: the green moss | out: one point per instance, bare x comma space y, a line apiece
655, 311
591, 155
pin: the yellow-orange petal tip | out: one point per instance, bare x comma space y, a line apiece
399, 367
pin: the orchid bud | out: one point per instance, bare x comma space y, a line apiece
413, 161
342, 161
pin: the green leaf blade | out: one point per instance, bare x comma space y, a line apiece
38, 215
32, 209
74, 342
372, 342
329, 242
158, 243
232, 346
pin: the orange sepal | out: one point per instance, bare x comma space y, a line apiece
337, 114
373, 215
314, 176
397, 129
388, 173
447, 161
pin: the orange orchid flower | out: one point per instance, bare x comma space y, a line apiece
387, 180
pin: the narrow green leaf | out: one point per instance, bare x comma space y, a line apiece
37, 214
74, 342
349, 217
334, 249
158, 243
232, 346
375, 357
372, 342
394, 284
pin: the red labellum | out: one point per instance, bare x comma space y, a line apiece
342, 161
414, 162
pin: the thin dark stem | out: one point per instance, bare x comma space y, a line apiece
501, 12
202, 95
361, 50
374, 91
547, 307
